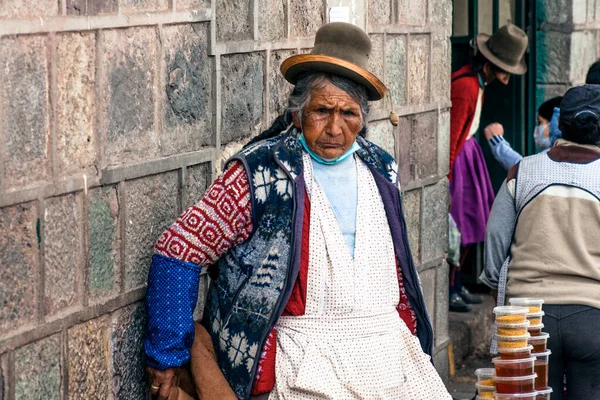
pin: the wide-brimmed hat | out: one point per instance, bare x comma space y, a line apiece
505, 48
340, 49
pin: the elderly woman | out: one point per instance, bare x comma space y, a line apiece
315, 295
542, 242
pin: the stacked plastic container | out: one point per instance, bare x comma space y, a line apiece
538, 342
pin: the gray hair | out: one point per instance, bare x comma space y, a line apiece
300, 96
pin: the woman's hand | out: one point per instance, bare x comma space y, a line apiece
494, 129
161, 382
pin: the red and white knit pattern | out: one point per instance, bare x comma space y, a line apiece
221, 220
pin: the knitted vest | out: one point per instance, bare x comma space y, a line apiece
256, 278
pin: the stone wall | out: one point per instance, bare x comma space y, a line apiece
115, 115
568, 42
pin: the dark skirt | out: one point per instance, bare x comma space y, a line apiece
471, 192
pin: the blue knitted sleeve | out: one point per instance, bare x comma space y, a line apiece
170, 301
503, 152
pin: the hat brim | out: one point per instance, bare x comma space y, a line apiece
482, 47
294, 66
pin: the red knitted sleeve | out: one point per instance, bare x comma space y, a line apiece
221, 220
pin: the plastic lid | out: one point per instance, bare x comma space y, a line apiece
485, 387
518, 349
538, 326
515, 378
535, 314
498, 360
516, 325
524, 301
513, 395
485, 371
543, 335
548, 390
513, 338
510, 310
545, 353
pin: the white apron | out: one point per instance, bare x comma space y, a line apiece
351, 343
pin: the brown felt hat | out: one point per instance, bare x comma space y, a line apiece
505, 48
340, 49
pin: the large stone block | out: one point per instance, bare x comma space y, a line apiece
306, 17
583, 54
234, 20
395, 67
597, 14
404, 150
440, 14
440, 68
130, 65
412, 12
192, 4
63, 253
37, 370
434, 232
554, 11
136, 6
418, 69
24, 106
441, 305
440, 360
128, 359
199, 178
19, 258
553, 57
380, 12
151, 205
242, 95
95, 7
443, 143
88, 360
579, 11
412, 213
104, 242
429, 289
75, 80
28, 8
188, 85
382, 134
425, 139
279, 88
591, 10
271, 19
376, 66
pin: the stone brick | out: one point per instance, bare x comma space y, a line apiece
411, 203
151, 205
279, 88
597, 13
130, 64
440, 14
591, 10
198, 180
37, 370
271, 19
307, 17
418, 69
412, 12
376, 63
128, 360
88, 355
192, 4
553, 57
583, 54
104, 242
91, 7
443, 143
234, 20
63, 252
24, 98
440, 68
434, 232
395, 67
440, 360
242, 95
555, 11
579, 11
188, 100
135, 6
28, 8
428, 284
382, 134
404, 150
380, 12
441, 305
19, 258
425, 139
75, 65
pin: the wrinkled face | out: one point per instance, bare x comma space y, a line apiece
330, 121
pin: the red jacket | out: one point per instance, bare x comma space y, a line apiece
463, 93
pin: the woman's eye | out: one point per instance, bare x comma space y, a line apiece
322, 110
349, 113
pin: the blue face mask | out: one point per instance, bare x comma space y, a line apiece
321, 160
538, 136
